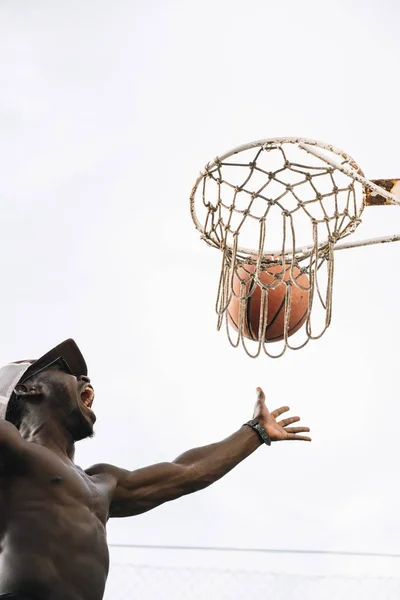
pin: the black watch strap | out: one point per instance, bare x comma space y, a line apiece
254, 424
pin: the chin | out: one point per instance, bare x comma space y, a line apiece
81, 426
83, 435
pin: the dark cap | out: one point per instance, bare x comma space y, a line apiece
17, 372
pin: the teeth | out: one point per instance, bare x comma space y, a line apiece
87, 396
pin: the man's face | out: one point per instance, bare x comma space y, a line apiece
71, 397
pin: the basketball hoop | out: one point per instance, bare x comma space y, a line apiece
276, 209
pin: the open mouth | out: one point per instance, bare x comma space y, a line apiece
87, 396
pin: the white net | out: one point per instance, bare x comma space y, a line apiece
276, 209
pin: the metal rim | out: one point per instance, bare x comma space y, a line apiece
309, 145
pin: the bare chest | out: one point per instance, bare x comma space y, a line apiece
52, 527
45, 478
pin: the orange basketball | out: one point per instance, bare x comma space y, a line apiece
274, 331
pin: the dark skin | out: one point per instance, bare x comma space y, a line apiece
53, 514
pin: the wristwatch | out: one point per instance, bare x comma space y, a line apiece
263, 435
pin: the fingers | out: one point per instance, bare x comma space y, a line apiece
279, 411
288, 421
261, 395
260, 406
297, 429
302, 438
291, 433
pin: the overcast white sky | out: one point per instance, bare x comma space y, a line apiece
108, 111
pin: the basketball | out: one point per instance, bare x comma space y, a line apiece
275, 327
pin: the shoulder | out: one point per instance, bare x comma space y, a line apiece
12, 447
9, 435
105, 470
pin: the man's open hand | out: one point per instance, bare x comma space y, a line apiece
278, 430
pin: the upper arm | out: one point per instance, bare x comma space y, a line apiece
141, 490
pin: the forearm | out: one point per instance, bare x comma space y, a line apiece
144, 489
210, 463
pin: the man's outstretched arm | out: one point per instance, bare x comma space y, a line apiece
141, 490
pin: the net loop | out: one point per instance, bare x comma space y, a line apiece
296, 195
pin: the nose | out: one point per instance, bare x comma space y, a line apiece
84, 378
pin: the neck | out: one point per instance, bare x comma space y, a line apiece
50, 433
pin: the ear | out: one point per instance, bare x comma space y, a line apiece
25, 391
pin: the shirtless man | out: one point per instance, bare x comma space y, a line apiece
53, 514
